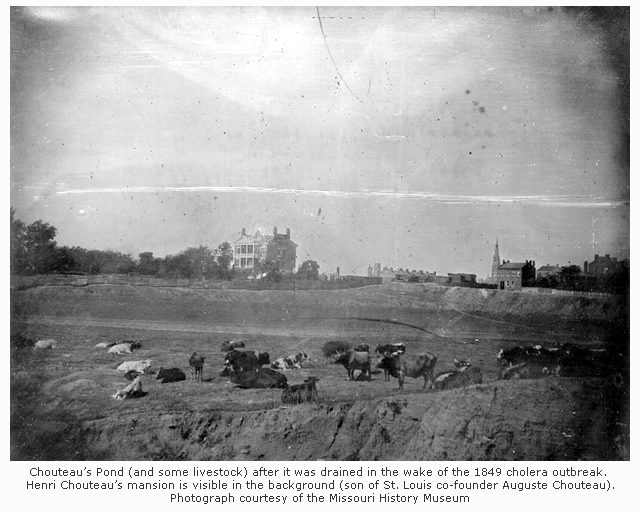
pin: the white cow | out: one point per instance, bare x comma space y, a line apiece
132, 390
45, 344
101, 345
138, 366
120, 348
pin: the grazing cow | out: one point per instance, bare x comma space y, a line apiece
293, 362
260, 378
231, 345
388, 350
585, 362
363, 347
45, 344
333, 349
196, 362
138, 366
167, 375
131, 375
464, 375
401, 366
132, 390
354, 360
301, 393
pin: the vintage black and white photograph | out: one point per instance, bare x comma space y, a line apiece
320, 233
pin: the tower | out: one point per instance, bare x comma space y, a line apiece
495, 264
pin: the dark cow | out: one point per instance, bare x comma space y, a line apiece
132, 374
576, 361
333, 349
401, 366
262, 358
301, 393
388, 350
196, 362
354, 360
363, 347
239, 361
529, 370
293, 362
167, 375
231, 345
464, 375
260, 378
533, 353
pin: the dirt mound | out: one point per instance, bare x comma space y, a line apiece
546, 419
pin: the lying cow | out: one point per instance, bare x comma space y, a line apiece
293, 362
354, 360
196, 363
105, 345
464, 375
333, 349
49, 343
260, 378
167, 375
231, 345
132, 390
388, 350
532, 353
125, 348
131, 375
401, 366
138, 366
301, 393
529, 370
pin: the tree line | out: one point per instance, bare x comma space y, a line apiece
34, 251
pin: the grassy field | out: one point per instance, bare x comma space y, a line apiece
75, 382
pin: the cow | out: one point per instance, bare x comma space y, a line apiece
363, 347
49, 343
388, 350
529, 370
228, 345
262, 358
167, 375
196, 362
104, 345
131, 375
533, 353
240, 361
585, 362
333, 349
138, 366
401, 366
301, 393
293, 362
354, 360
259, 378
131, 390
120, 348
464, 375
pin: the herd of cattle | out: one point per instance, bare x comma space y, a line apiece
254, 369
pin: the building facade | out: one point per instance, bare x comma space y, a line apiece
282, 251
511, 275
601, 265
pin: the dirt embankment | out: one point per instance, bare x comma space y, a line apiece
547, 419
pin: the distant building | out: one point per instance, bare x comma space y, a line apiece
548, 271
512, 275
282, 251
251, 250
601, 266
462, 278
247, 250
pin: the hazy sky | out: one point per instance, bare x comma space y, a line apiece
412, 137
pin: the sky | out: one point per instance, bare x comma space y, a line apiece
409, 136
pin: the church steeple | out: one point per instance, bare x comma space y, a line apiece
495, 265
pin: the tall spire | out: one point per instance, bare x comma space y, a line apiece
495, 264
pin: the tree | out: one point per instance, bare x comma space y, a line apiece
308, 270
271, 270
147, 264
569, 276
33, 247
